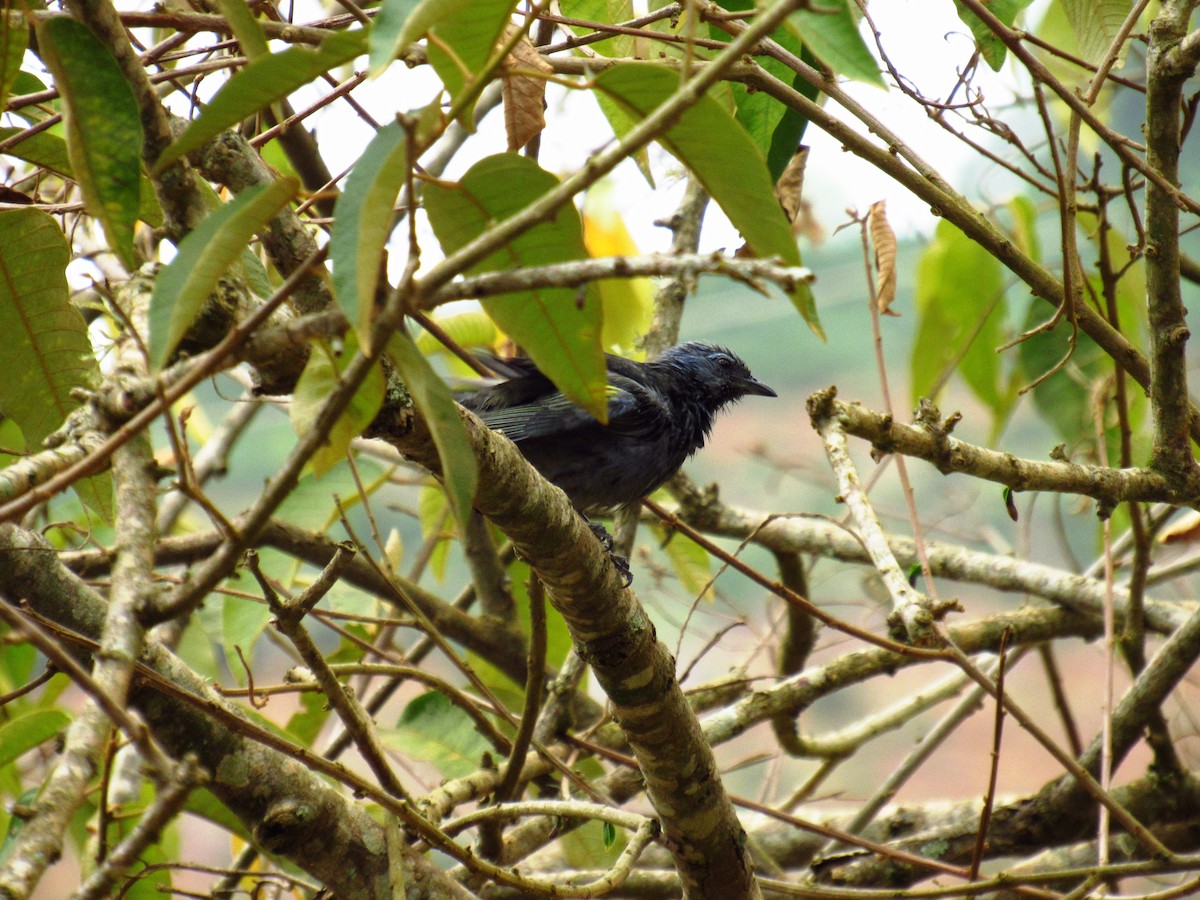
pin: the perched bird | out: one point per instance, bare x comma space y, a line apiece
659, 413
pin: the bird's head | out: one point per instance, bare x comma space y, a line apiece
714, 373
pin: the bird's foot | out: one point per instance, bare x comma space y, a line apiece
606, 541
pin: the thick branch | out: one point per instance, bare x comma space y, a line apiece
1169, 332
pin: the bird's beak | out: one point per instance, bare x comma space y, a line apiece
751, 385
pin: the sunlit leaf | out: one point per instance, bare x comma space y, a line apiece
462, 35
830, 29
706, 138
991, 47
558, 327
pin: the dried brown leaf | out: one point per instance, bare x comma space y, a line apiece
524, 94
883, 239
790, 187
1184, 531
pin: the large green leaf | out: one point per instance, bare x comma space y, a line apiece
14, 35
363, 222
559, 327
710, 141
961, 312
617, 46
830, 29
462, 35
46, 353
320, 376
104, 128
776, 129
991, 47
435, 730
183, 287
50, 151
264, 81
432, 397
1096, 23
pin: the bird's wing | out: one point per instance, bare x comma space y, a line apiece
632, 410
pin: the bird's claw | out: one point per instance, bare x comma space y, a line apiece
620, 563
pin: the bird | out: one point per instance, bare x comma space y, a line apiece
659, 413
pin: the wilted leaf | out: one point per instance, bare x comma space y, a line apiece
524, 94
789, 189
883, 240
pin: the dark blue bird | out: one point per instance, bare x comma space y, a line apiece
659, 413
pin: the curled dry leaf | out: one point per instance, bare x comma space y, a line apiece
1186, 530
524, 94
790, 187
883, 239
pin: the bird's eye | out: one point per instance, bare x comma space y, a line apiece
724, 361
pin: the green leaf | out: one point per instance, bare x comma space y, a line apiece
433, 399
690, 562
262, 83
14, 36
558, 327
990, 46
184, 286
50, 151
41, 149
103, 125
435, 730
616, 46
320, 376
462, 33
245, 27
961, 311
22, 733
830, 29
363, 221
46, 353
1096, 23
705, 139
